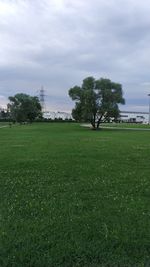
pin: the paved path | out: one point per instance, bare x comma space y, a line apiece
118, 128
3, 126
123, 128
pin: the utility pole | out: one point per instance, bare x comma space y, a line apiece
149, 109
42, 98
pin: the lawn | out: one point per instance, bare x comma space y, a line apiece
73, 197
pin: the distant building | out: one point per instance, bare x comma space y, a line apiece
57, 115
134, 116
125, 116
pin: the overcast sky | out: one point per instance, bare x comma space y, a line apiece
57, 43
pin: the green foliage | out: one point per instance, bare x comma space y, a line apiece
96, 100
71, 198
4, 114
24, 107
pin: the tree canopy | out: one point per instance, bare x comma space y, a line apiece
96, 100
24, 107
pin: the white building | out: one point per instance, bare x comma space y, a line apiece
125, 116
134, 116
57, 115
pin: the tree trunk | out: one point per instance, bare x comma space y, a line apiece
98, 122
93, 122
93, 125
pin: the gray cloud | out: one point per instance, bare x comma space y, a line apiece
58, 43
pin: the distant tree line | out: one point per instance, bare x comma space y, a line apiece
4, 115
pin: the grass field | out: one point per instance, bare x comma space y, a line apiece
72, 197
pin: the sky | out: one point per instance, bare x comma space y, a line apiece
58, 43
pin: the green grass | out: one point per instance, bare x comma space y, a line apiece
73, 197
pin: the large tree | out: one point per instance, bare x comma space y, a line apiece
24, 107
96, 100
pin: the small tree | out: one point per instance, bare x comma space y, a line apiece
24, 107
96, 100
